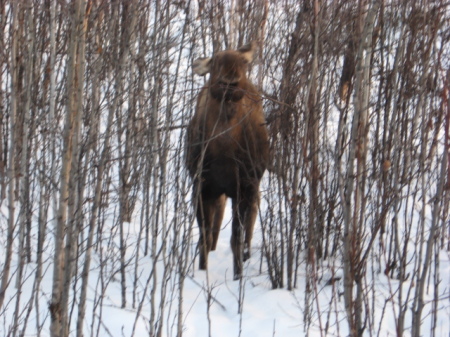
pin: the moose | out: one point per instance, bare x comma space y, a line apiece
227, 152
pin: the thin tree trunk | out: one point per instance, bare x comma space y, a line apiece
75, 202
3, 150
352, 233
11, 157
58, 308
24, 160
23, 216
92, 142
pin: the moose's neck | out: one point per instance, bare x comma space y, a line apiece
226, 110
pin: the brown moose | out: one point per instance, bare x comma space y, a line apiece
227, 152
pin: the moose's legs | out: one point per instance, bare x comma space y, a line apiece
209, 216
250, 220
245, 209
218, 217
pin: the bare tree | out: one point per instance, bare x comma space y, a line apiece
11, 152
63, 258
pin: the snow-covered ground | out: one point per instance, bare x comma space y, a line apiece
263, 311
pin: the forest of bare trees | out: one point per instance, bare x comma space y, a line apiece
95, 97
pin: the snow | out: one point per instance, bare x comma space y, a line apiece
264, 311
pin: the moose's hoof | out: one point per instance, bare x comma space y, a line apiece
202, 264
246, 254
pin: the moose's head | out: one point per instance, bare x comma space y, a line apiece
228, 72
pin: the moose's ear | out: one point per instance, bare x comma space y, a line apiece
247, 51
202, 66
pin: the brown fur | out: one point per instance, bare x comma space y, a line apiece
227, 152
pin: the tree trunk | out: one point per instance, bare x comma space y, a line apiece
59, 303
11, 157
354, 182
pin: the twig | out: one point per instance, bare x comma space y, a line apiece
212, 297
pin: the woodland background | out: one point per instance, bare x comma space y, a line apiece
94, 100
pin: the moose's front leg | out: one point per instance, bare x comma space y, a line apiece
237, 246
205, 218
249, 224
245, 210
218, 217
